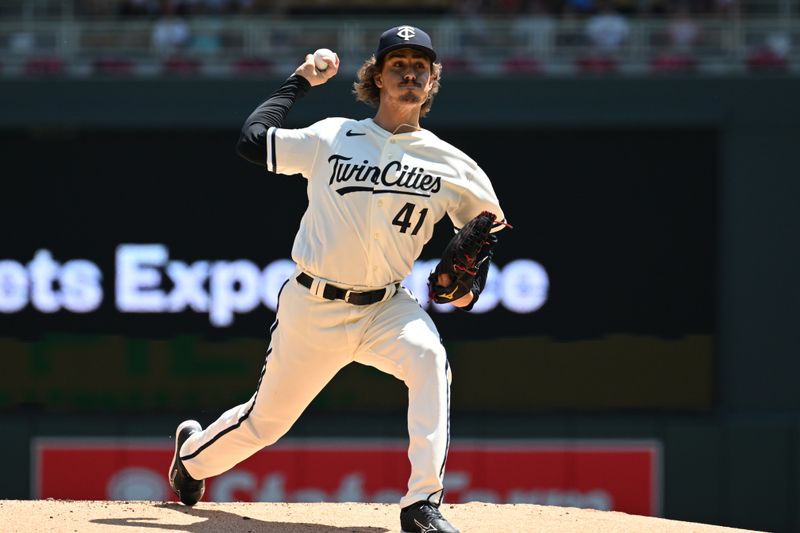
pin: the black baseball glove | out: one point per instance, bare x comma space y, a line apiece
466, 259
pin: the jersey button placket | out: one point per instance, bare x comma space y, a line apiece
376, 219
390, 154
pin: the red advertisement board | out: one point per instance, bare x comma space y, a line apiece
621, 475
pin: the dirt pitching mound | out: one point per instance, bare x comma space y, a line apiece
153, 517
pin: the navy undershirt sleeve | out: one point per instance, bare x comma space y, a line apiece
252, 144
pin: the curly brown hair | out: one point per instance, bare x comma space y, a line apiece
366, 91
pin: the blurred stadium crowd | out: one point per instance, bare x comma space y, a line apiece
481, 37
111, 8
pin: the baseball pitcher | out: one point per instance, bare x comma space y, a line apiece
376, 188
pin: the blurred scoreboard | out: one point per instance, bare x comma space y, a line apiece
135, 250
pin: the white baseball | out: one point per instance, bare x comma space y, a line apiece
320, 56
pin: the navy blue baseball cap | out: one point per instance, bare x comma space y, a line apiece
405, 37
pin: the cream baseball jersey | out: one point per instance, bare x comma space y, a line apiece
374, 197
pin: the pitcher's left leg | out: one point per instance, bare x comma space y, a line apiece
403, 341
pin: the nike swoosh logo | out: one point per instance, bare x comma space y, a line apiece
425, 529
351, 133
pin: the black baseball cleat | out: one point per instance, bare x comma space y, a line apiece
424, 517
188, 489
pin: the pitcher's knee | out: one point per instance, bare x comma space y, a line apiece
428, 364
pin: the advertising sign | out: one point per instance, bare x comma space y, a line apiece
218, 289
605, 475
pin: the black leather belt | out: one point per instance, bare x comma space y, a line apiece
337, 293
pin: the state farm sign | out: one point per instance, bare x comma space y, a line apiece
620, 476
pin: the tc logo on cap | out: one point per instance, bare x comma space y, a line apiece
406, 32
404, 37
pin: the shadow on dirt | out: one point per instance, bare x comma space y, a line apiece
220, 521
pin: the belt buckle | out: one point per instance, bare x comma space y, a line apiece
347, 296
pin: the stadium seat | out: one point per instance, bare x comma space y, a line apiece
248, 66
766, 60
596, 64
455, 64
669, 63
44, 66
521, 65
114, 66
181, 66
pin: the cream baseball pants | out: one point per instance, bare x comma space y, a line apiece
312, 339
